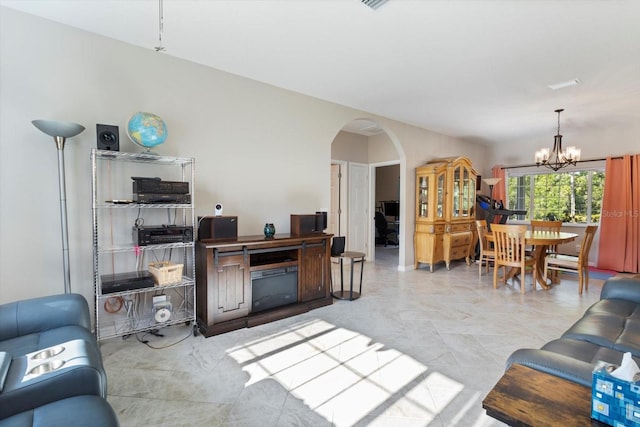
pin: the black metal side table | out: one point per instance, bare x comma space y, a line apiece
355, 257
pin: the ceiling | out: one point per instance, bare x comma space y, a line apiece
474, 69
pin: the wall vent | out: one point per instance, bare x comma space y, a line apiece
374, 4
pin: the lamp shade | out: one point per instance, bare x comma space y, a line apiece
491, 181
57, 128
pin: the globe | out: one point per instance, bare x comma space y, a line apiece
146, 130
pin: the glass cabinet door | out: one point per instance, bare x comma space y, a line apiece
456, 193
423, 197
466, 191
440, 201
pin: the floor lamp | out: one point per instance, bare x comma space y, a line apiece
491, 182
60, 131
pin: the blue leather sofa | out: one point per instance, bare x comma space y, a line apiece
50, 364
607, 330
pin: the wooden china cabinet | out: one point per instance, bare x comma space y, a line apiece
445, 211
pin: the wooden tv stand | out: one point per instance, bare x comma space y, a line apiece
223, 278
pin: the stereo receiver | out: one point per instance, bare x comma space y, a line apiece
161, 198
155, 235
158, 186
126, 281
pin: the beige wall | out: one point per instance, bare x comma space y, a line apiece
350, 147
387, 183
263, 152
381, 149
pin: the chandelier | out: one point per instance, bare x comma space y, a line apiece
558, 158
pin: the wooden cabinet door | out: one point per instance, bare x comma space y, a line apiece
231, 287
312, 275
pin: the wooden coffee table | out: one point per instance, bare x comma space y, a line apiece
526, 397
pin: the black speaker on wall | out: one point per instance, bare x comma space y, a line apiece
108, 138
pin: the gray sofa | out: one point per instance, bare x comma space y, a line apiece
50, 363
607, 330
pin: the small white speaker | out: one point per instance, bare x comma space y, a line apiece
218, 209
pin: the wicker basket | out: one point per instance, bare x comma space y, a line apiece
166, 272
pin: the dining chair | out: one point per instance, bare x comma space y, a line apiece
551, 226
546, 225
509, 244
579, 264
487, 253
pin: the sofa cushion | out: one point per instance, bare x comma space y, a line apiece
584, 351
77, 370
75, 411
616, 307
610, 323
41, 314
553, 363
22, 345
607, 330
598, 328
5, 362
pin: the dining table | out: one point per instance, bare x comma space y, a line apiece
540, 240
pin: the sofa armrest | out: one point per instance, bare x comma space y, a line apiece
555, 364
41, 314
625, 288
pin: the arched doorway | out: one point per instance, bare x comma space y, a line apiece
358, 150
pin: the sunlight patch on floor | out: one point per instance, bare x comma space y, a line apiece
345, 376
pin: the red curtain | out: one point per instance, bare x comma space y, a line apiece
620, 215
499, 190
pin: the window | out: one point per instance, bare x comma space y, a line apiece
573, 197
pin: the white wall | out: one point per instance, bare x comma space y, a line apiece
262, 151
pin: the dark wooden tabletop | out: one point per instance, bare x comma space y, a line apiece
526, 397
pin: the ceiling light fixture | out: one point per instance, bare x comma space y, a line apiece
160, 48
374, 4
557, 158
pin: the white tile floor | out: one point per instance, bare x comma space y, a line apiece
418, 349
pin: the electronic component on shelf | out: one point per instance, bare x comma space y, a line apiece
142, 185
126, 281
162, 309
161, 198
162, 234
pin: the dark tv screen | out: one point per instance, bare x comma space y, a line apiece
392, 209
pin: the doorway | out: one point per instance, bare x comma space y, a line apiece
362, 145
387, 201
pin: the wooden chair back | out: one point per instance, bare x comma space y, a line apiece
508, 240
509, 243
585, 248
579, 264
554, 226
486, 251
483, 230
551, 226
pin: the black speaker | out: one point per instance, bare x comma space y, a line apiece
305, 224
321, 221
217, 228
108, 138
